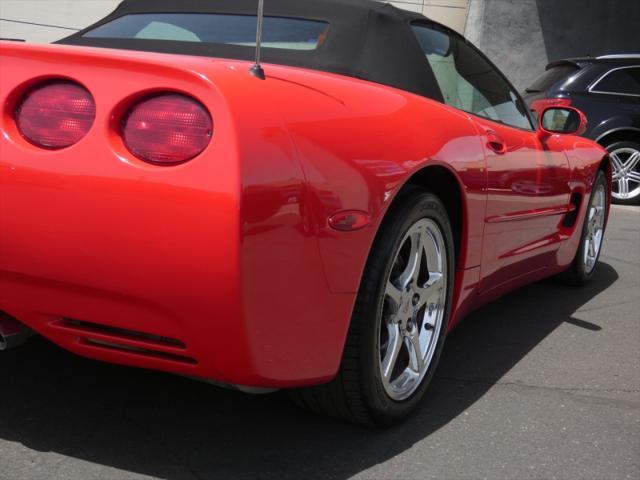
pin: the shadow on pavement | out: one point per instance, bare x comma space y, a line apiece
173, 428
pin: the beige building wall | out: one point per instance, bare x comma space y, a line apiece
45, 21
452, 13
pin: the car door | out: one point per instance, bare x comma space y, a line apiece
527, 181
528, 197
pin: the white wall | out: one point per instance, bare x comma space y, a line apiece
51, 16
49, 20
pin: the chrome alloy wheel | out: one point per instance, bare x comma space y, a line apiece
413, 310
595, 228
626, 173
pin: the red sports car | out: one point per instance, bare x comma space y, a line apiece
316, 223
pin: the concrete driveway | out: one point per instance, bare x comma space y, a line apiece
542, 384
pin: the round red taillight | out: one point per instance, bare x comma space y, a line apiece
56, 115
167, 129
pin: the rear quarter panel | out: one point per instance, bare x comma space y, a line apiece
312, 144
359, 143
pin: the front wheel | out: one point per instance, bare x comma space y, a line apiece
584, 265
400, 319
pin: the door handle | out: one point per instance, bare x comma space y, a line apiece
495, 143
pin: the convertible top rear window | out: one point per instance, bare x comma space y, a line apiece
365, 39
278, 32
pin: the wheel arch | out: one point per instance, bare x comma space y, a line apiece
443, 183
605, 165
619, 135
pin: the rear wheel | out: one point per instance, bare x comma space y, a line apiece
584, 265
400, 320
625, 160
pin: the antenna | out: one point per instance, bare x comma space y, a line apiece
257, 70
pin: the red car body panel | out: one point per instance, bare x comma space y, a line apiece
227, 263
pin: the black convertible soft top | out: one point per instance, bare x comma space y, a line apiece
367, 39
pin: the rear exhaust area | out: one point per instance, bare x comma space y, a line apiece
12, 332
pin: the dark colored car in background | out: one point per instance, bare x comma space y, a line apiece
607, 90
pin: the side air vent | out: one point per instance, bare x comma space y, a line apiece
571, 217
104, 345
126, 341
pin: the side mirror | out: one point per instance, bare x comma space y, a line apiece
562, 120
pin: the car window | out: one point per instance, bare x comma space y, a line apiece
552, 76
278, 32
624, 81
468, 81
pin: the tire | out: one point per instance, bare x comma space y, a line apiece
584, 265
625, 162
385, 316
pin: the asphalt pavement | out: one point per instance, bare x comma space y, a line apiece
542, 384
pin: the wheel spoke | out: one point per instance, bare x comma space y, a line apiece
413, 262
600, 211
587, 243
436, 280
433, 256
597, 242
393, 350
623, 187
415, 351
633, 176
434, 286
432, 310
618, 164
632, 161
394, 294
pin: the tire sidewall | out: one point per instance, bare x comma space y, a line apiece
415, 207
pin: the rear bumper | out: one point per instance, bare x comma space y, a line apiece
155, 262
